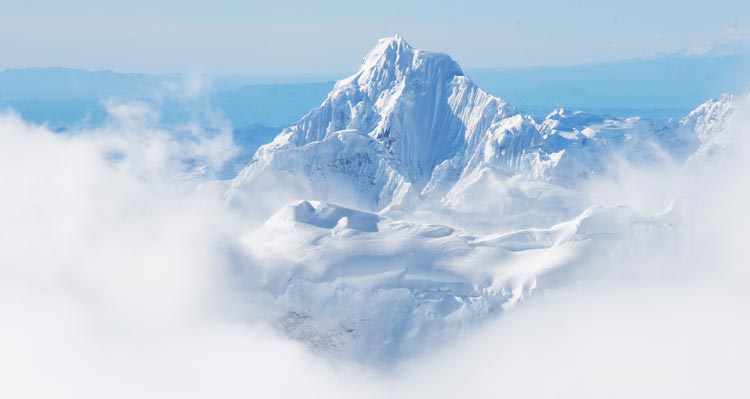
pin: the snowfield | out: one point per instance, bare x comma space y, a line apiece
364, 287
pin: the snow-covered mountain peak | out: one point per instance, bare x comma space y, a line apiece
709, 122
710, 117
409, 128
393, 65
394, 54
418, 109
388, 48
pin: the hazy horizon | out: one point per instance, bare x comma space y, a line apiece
716, 52
292, 37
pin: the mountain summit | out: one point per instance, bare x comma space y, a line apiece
382, 132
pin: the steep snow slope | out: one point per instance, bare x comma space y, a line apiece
416, 106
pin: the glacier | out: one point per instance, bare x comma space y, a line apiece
411, 204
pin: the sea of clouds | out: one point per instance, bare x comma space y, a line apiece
121, 277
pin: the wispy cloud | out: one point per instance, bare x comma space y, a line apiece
116, 279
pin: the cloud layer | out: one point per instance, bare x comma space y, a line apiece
119, 266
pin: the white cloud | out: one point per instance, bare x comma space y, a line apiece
116, 280
113, 272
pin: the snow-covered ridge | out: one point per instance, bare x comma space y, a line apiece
356, 285
409, 127
710, 117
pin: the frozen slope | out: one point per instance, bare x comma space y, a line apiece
355, 285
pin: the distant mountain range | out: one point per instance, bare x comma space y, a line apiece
659, 87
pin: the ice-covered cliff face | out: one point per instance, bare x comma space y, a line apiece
409, 127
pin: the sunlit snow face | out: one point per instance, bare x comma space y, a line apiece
123, 271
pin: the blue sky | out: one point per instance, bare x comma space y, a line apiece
285, 36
